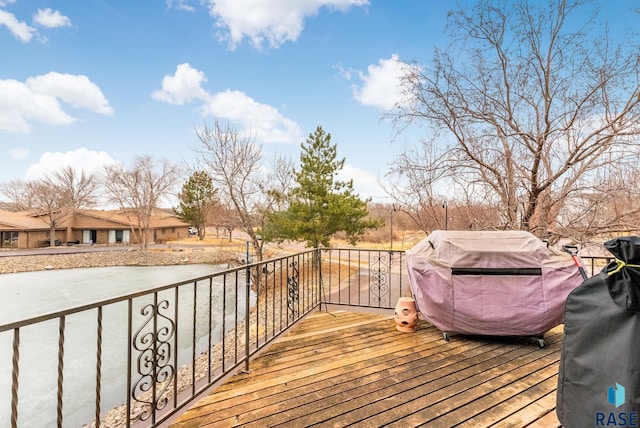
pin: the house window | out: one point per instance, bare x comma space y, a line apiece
119, 235
8, 239
173, 230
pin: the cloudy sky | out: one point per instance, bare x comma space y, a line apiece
97, 81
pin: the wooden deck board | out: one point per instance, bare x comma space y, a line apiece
345, 368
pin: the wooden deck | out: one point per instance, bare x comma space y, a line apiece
345, 368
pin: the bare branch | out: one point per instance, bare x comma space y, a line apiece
139, 190
531, 105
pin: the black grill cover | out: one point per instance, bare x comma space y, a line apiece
601, 346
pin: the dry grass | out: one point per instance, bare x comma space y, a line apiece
402, 240
194, 240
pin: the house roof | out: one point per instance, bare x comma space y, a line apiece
159, 218
20, 221
91, 219
87, 219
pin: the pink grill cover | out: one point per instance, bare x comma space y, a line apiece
490, 304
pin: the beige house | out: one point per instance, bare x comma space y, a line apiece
116, 227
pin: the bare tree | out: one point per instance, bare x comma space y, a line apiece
416, 184
58, 196
531, 104
17, 194
139, 190
78, 188
233, 161
223, 217
279, 180
611, 207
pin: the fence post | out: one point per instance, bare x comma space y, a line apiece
15, 377
247, 317
321, 291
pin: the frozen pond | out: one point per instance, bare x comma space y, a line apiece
25, 295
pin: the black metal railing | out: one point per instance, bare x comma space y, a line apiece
593, 265
365, 278
138, 359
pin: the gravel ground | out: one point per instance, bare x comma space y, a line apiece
14, 264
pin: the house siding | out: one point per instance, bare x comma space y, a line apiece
32, 231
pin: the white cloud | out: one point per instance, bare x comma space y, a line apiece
38, 100
18, 153
20, 105
76, 90
80, 159
20, 30
347, 73
276, 21
51, 18
382, 85
180, 5
262, 120
184, 86
365, 184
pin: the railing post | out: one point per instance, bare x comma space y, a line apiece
129, 359
247, 323
193, 338
320, 291
60, 393
154, 355
15, 377
98, 366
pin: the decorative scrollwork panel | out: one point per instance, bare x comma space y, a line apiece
152, 340
380, 269
293, 289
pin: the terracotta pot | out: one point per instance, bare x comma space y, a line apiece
406, 315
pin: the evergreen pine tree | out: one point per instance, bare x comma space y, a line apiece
320, 205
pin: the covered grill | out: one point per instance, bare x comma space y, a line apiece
501, 283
